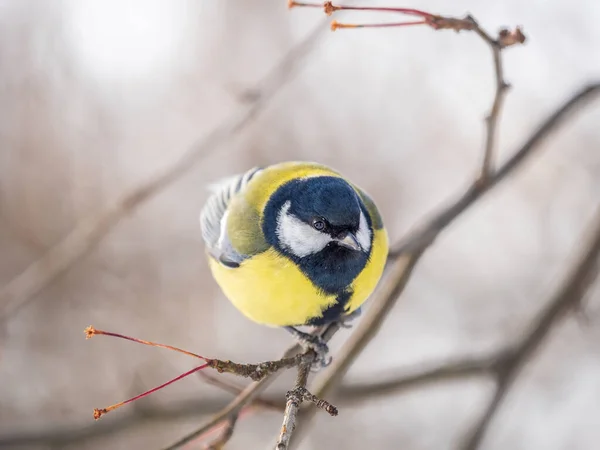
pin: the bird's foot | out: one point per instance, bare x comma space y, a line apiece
313, 342
345, 321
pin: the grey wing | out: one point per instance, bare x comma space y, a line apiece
213, 218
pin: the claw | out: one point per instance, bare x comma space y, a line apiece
344, 321
315, 343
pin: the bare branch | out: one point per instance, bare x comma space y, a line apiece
452, 370
257, 372
295, 398
427, 233
494, 115
89, 232
57, 435
247, 395
231, 410
219, 443
582, 275
236, 390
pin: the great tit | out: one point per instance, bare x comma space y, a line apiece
294, 244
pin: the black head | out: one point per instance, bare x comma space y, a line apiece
321, 224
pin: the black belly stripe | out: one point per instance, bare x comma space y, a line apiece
333, 312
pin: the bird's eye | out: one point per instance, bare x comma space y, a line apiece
319, 224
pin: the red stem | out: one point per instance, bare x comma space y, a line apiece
99, 412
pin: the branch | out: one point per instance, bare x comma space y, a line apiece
89, 232
294, 400
59, 435
570, 294
225, 435
246, 396
236, 390
424, 236
494, 115
256, 372
452, 370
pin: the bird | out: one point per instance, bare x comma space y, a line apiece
294, 244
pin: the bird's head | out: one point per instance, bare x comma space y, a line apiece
320, 217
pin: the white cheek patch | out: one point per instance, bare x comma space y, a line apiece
363, 235
298, 237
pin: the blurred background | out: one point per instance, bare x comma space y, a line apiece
97, 97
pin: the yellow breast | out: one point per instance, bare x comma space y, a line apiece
270, 289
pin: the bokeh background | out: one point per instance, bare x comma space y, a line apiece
99, 96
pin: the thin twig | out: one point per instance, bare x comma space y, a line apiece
89, 232
459, 369
234, 389
226, 433
58, 436
294, 398
582, 275
233, 408
493, 117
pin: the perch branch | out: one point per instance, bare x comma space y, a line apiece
247, 395
89, 232
294, 399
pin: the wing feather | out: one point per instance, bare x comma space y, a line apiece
213, 217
